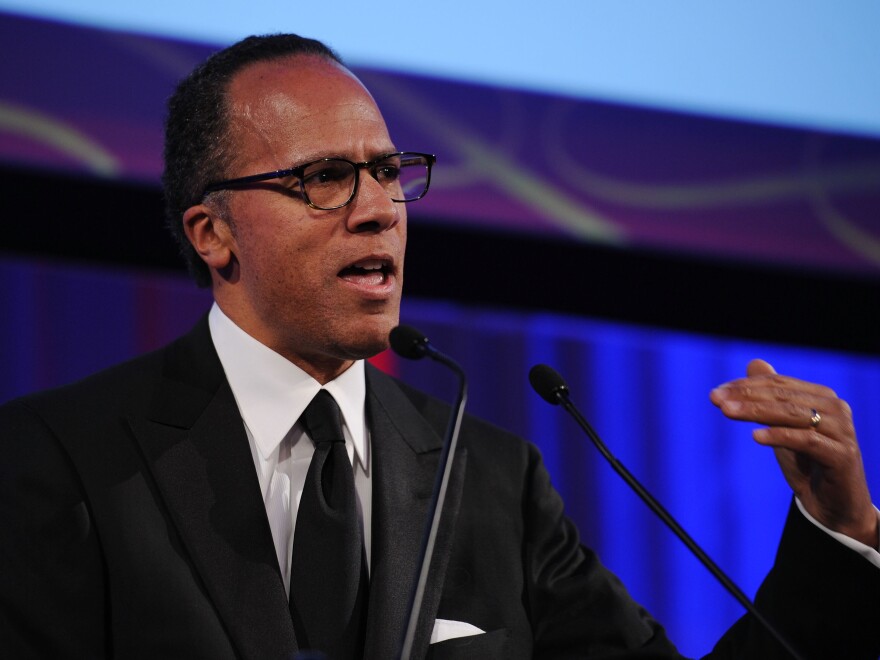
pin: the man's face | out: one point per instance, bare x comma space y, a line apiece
320, 287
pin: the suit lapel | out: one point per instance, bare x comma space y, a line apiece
195, 445
406, 451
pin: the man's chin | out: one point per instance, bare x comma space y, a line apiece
362, 337
368, 342
367, 350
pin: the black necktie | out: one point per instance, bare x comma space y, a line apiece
328, 584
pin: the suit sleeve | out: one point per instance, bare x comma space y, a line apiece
822, 596
51, 569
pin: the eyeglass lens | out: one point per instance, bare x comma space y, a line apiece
330, 183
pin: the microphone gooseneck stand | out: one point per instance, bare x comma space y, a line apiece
552, 388
411, 344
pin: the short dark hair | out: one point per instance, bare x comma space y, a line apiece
197, 145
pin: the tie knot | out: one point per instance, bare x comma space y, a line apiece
322, 419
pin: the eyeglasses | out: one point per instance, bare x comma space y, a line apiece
331, 183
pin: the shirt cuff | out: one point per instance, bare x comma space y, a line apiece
865, 551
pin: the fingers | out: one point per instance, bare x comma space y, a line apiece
822, 448
766, 395
801, 416
788, 408
829, 443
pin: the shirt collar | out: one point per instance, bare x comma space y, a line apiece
272, 392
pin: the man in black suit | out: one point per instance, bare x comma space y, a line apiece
149, 511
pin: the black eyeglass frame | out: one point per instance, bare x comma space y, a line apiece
299, 170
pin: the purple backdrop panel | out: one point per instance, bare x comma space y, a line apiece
89, 100
63, 322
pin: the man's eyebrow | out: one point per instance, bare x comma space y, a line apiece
378, 153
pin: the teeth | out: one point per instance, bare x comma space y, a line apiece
370, 264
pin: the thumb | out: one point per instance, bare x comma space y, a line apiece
759, 368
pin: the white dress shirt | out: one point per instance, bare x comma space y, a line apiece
271, 393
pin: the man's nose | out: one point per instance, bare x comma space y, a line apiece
372, 208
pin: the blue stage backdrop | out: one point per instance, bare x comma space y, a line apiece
645, 390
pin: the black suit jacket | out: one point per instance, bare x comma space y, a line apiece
134, 528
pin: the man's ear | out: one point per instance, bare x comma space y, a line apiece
210, 235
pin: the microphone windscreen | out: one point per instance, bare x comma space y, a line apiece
408, 342
547, 382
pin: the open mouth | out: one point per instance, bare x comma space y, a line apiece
369, 272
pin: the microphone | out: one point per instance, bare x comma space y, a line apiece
411, 344
547, 382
